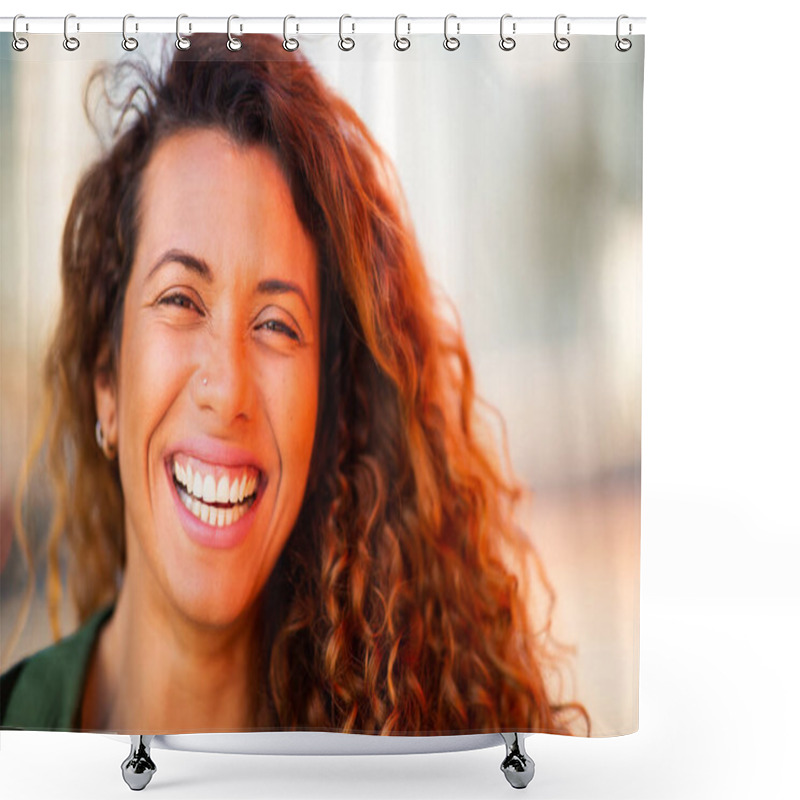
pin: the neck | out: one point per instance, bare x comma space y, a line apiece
156, 671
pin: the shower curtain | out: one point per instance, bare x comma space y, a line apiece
325, 362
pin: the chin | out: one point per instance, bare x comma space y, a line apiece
213, 606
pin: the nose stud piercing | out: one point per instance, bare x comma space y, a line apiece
205, 381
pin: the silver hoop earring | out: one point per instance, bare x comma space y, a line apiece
109, 451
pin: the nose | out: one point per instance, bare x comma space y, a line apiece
223, 383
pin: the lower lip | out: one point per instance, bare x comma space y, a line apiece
205, 535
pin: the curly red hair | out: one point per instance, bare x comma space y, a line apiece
392, 608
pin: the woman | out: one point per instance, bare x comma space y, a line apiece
281, 505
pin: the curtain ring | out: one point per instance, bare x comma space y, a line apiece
345, 42
289, 44
623, 45
18, 43
401, 42
70, 42
234, 44
507, 42
451, 42
128, 42
181, 42
561, 43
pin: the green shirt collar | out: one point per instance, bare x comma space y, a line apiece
48, 688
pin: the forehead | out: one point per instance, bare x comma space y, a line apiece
225, 202
195, 159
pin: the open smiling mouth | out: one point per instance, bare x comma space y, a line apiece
216, 495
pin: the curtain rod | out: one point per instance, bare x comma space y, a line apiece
461, 26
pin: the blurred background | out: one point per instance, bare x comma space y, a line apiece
522, 171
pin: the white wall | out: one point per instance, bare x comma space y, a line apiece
720, 520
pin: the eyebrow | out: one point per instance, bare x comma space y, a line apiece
201, 268
278, 286
189, 261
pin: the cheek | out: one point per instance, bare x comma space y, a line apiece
154, 367
291, 392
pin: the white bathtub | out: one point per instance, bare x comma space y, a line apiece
138, 768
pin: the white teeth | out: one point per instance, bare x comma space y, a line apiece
214, 515
199, 492
204, 488
223, 492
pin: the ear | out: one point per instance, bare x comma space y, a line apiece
105, 400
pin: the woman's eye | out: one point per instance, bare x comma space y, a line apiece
279, 327
178, 299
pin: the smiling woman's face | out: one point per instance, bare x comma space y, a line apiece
214, 405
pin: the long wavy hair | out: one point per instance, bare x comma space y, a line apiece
393, 608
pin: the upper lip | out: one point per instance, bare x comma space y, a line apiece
214, 451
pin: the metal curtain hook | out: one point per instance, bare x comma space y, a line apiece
18, 43
506, 42
623, 45
233, 43
345, 42
181, 42
561, 43
451, 42
401, 42
128, 42
289, 44
70, 42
